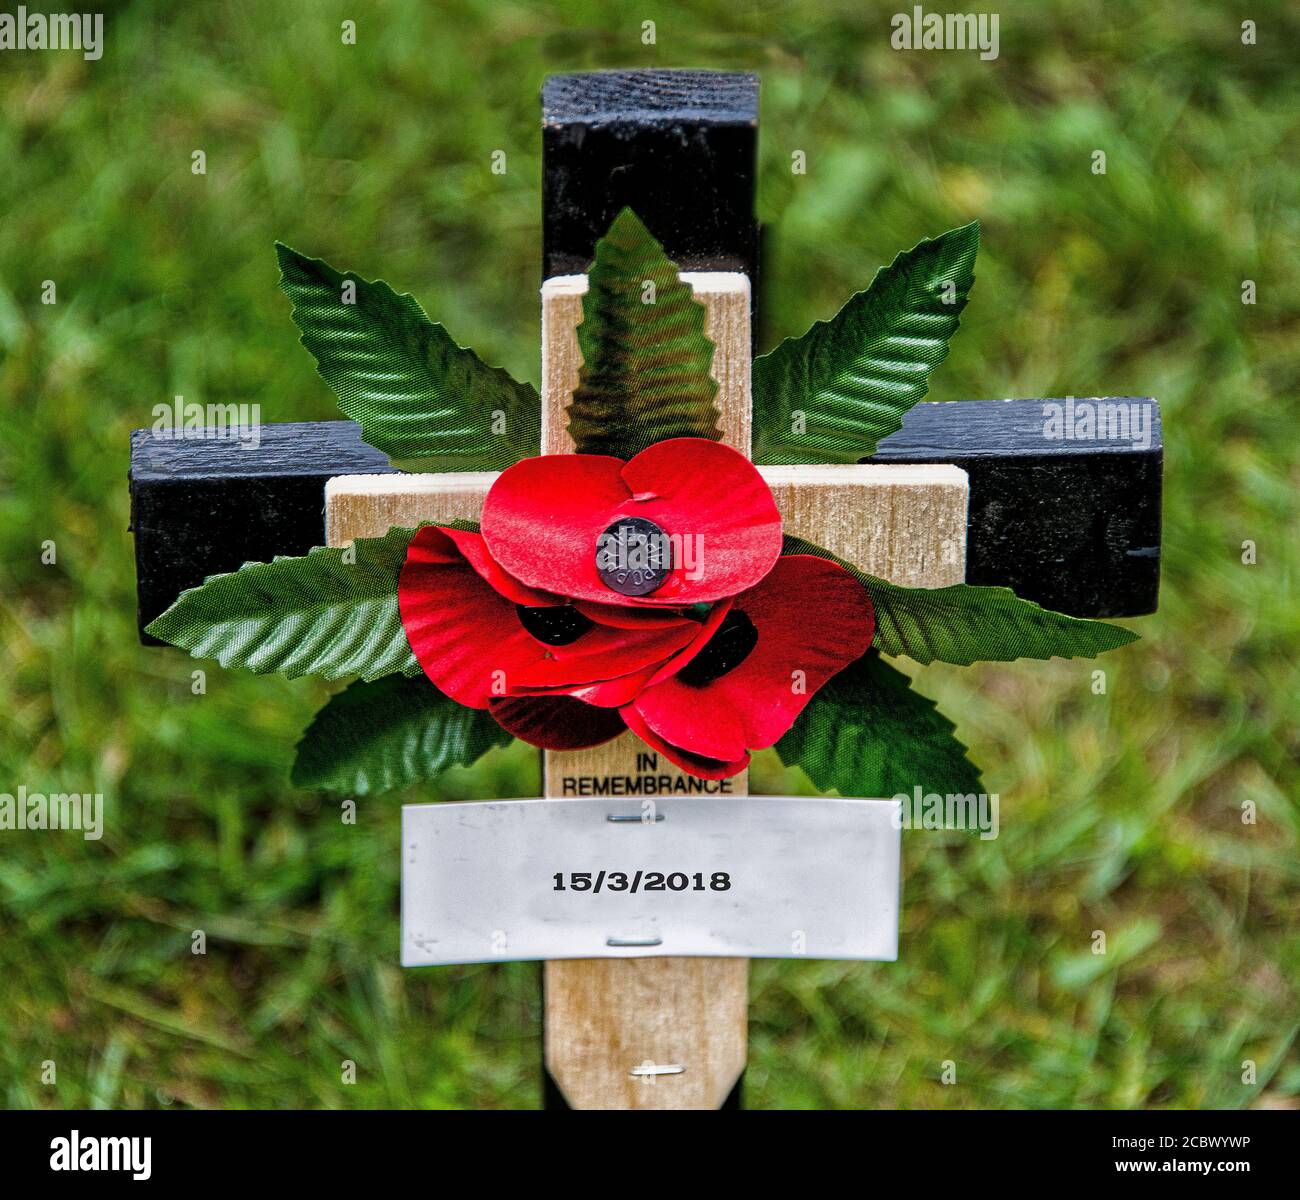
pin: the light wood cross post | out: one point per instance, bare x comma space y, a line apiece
671, 1032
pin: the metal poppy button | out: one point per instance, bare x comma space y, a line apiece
633, 557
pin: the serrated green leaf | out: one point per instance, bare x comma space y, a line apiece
966, 623
867, 733
418, 396
319, 614
832, 394
645, 365
376, 737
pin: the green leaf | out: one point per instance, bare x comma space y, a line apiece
832, 394
315, 615
645, 366
418, 396
375, 737
965, 623
867, 733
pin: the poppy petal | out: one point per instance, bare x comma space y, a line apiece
475, 552
705, 768
556, 722
629, 618
461, 631
708, 627
812, 619
714, 500
543, 515
603, 693
602, 652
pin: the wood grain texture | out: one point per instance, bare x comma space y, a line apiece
726, 299
904, 523
370, 505
605, 1018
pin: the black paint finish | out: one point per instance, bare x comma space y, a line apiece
202, 507
678, 147
1074, 526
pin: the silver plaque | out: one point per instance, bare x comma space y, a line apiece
751, 877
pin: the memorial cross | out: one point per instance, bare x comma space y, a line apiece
970, 492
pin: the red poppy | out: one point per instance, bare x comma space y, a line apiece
544, 518
522, 622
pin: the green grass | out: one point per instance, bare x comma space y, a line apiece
1120, 812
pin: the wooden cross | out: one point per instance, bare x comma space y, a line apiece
976, 494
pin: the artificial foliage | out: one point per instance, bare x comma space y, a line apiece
831, 395
644, 582
645, 360
417, 395
392, 733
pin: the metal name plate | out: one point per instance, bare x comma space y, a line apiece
751, 877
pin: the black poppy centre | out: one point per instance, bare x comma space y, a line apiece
553, 625
733, 642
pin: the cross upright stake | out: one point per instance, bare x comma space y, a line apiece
961, 491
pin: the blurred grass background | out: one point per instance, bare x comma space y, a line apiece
1121, 812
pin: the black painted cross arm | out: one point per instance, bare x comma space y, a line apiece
1072, 525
